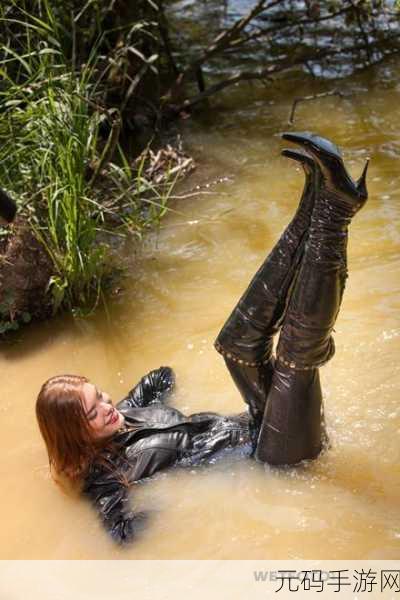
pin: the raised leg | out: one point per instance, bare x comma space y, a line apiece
245, 340
247, 334
291, 427
253, 384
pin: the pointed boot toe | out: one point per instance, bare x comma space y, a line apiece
314, 142
307, 162
336, 178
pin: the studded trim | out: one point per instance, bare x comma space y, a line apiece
292, 365
240, 361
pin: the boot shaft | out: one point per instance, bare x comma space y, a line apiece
328, 232
247, 334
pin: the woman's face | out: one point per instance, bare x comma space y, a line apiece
102, 417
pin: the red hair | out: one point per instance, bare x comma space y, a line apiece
70, 444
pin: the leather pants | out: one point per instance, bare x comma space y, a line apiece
292, 428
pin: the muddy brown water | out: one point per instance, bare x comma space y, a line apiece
343, 505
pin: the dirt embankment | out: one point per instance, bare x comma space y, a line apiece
25, 270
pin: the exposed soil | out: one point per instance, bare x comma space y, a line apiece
25, 270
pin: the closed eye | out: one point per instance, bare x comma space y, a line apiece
92, 414
100, 397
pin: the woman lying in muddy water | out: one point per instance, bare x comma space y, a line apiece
297, 290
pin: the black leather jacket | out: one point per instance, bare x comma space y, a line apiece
155, 436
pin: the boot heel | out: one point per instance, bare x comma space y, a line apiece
329, 159
362, 182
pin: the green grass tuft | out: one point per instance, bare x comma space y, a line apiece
56, 164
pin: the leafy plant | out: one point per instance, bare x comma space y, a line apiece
54, 159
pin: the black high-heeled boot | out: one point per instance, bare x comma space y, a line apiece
245, 341
336, 182
306, 340
291, 428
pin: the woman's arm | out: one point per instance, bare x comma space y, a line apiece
110, 498
108, 489
156, 386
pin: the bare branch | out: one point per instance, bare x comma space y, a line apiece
297, 101
217, 87
222, 41
275, 67
289, 24
226, 36
362, 30
164, 33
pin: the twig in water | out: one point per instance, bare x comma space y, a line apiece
297, 101
191, 195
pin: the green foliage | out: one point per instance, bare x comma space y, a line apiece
51, 155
